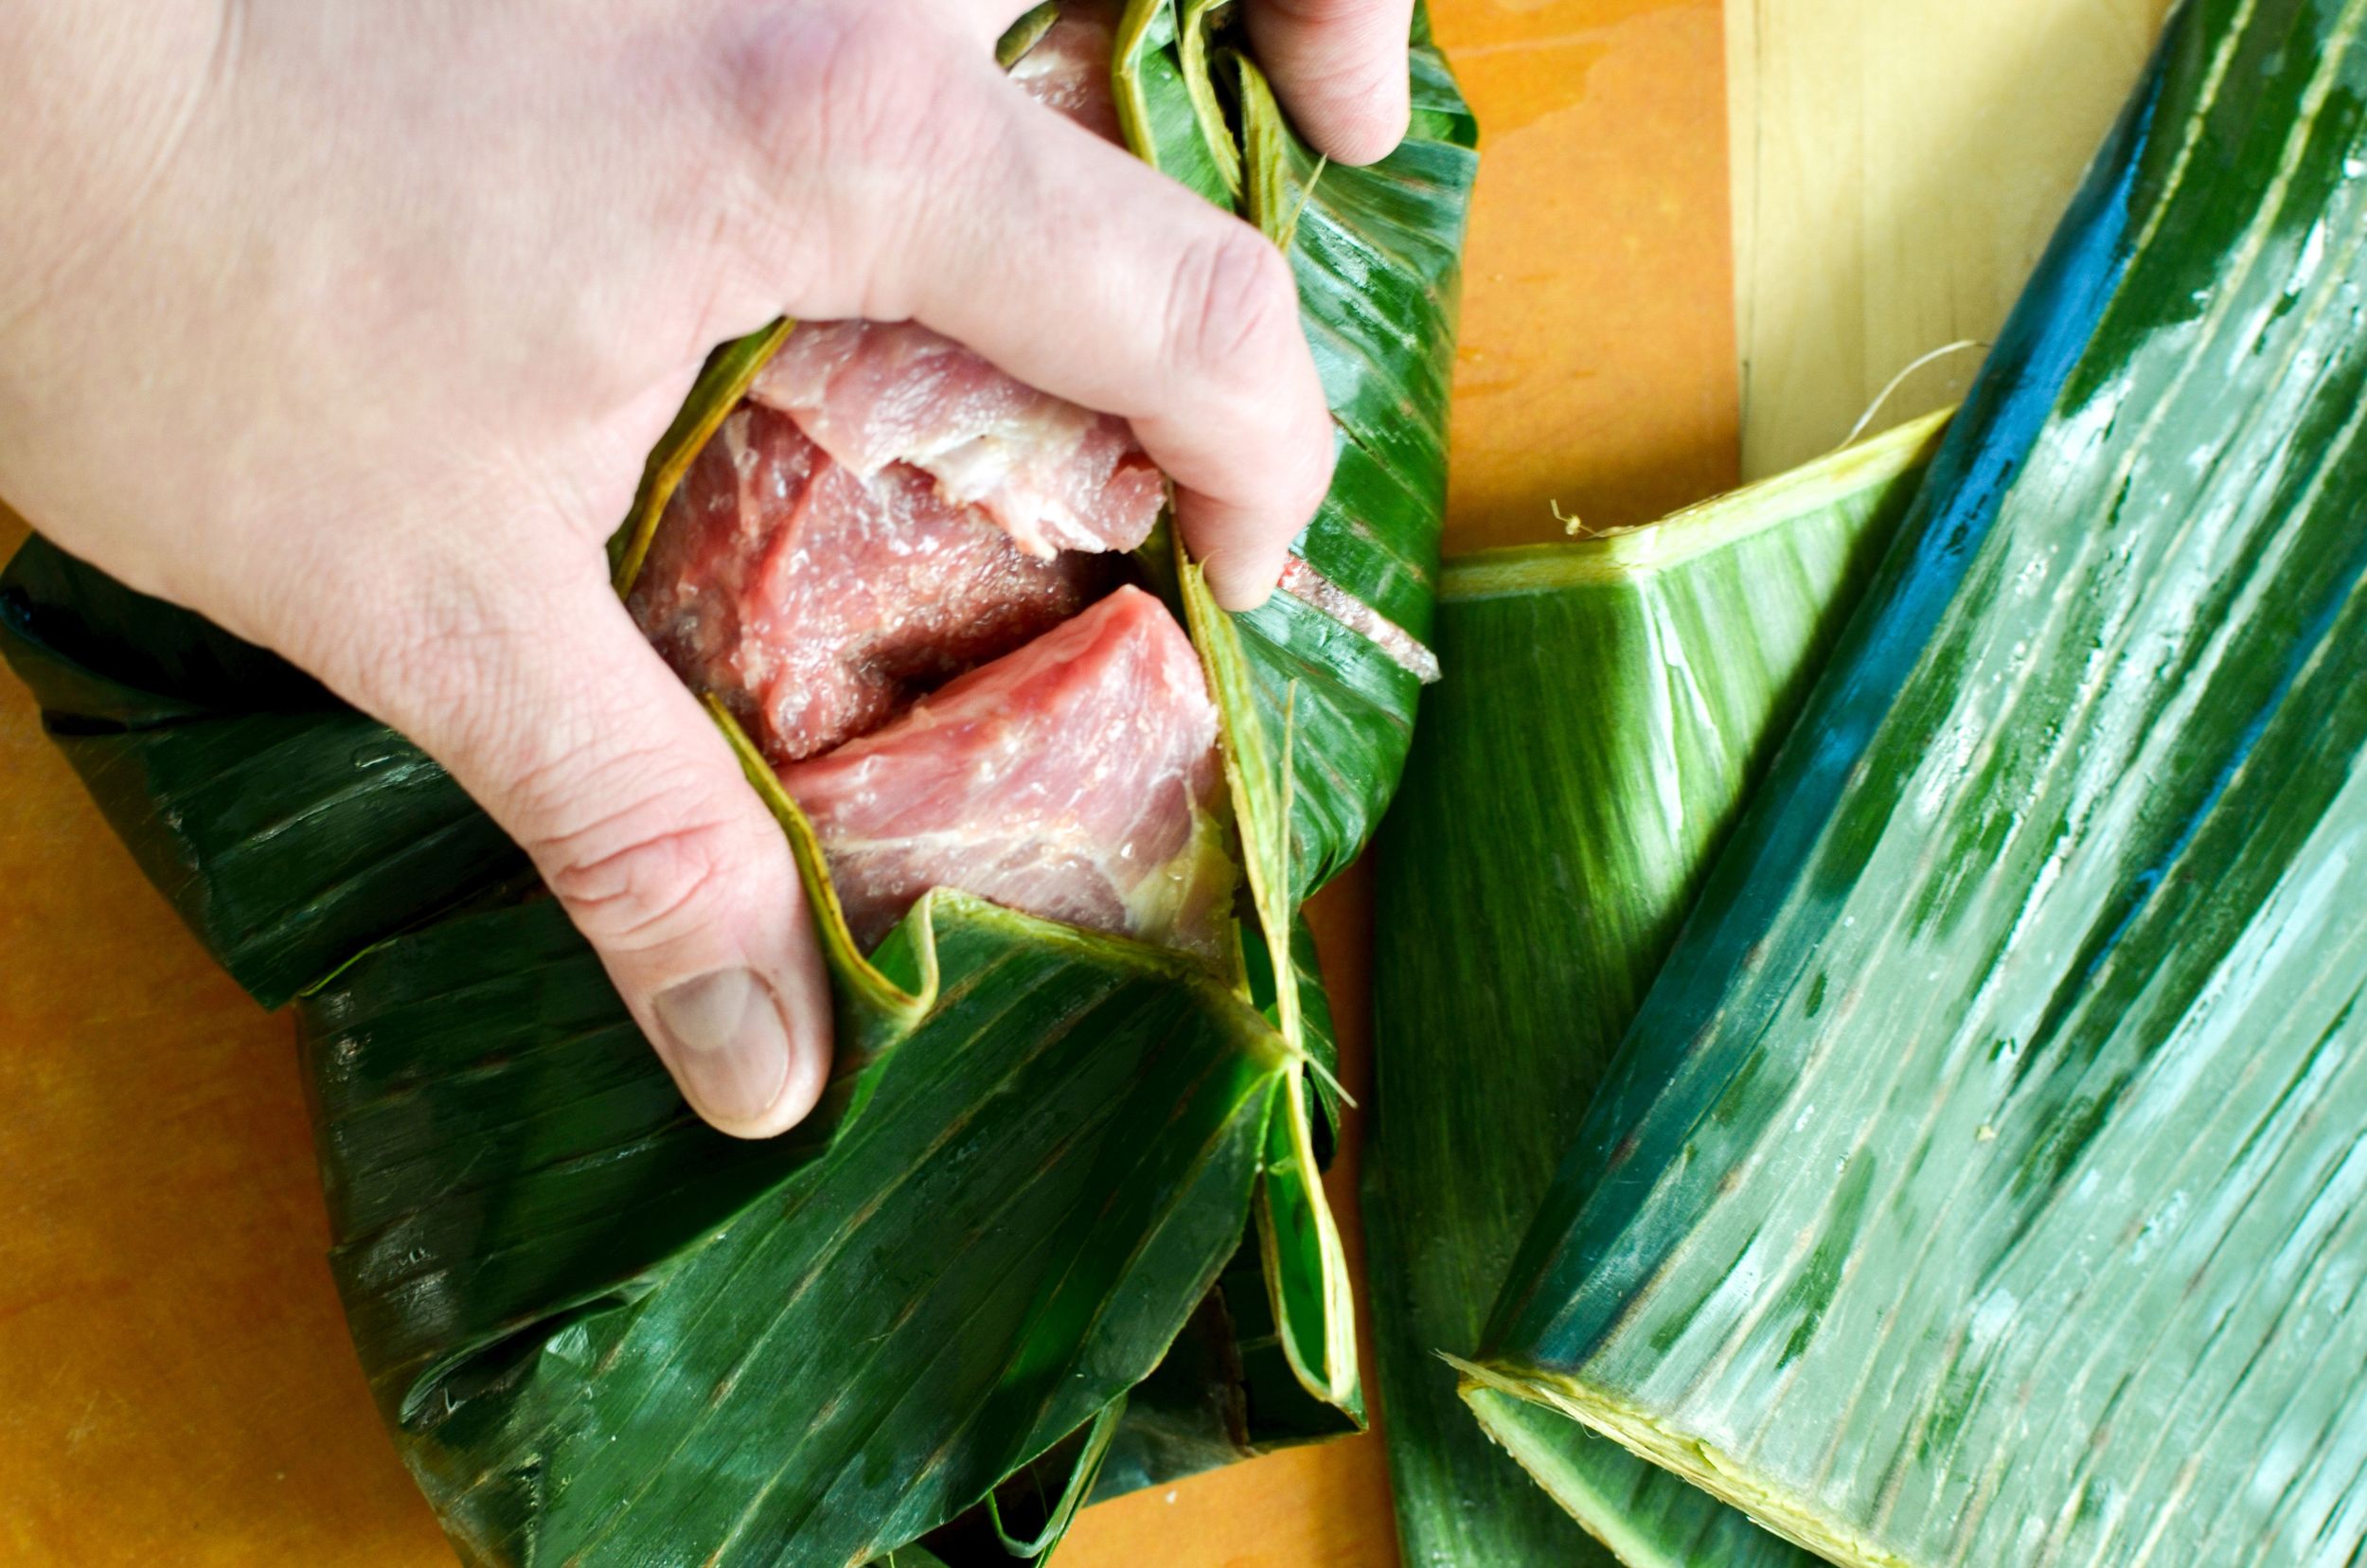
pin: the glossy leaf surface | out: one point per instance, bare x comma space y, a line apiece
615, 1332
1979, 1182
1607, 706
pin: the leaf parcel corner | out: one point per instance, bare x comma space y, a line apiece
1929, 1127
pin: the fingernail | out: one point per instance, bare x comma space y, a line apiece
1242, 598
727, 1044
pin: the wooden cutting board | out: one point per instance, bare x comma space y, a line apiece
179, 1388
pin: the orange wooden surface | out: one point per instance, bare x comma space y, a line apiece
179, 1389
1597, 367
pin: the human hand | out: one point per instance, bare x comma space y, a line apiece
349, 326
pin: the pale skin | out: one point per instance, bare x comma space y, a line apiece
349, 323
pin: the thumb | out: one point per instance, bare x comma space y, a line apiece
532, 685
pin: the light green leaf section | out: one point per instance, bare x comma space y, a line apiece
1318, 720
1636, 1514
1170, 119
1606, 708
1984, 1181
1305, 1263
1026, 33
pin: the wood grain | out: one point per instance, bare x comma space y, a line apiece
1899, 165
1597, 362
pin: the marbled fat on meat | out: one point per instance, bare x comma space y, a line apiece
817, 604
1077, 778
1055, 476
888, 510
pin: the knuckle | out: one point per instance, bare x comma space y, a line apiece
642, 873
1233, 313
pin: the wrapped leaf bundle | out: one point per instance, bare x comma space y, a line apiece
1975, 1185
1518, 926
1009, 1247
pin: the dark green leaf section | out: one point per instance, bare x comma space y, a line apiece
288, 831
613, 1332
1224, 1392
499, 1032
100, 654
1606, 706
1377, 253
290, 841
1981, 1182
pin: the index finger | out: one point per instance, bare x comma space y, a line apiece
1075, 267
1340, 67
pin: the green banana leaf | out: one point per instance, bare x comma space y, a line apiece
1377, 253
317, 854
1533, 873
288, 831
620, 1334
1980, 1182
1318, 718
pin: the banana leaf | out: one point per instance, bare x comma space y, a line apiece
620, 1333
512, 1181
288, 831
1980, 1182
1533, 873
1319, 715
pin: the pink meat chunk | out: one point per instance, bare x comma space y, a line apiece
1068, 70
1055, 476
871, 394
817, 604
1076, 779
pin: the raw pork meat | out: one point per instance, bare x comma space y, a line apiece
816, 605
1055, 476
1076, 779
888, 510
1068, 70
